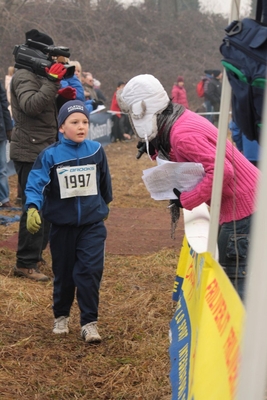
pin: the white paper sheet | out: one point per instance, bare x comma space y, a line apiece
161, 180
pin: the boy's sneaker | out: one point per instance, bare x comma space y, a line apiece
90, 333
61, 325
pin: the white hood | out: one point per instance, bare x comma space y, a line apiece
143, 97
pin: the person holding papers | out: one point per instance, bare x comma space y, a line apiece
184, 136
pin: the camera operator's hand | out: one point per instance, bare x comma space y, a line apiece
64, 95
68, 93
56, 72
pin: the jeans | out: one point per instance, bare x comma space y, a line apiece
233, 244
209, 108
4, 187
30, 247
216, 108
116, 132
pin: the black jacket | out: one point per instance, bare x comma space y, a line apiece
213, 93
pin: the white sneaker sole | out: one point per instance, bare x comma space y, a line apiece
93, 340
60, 332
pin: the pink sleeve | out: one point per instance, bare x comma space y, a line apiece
194, 147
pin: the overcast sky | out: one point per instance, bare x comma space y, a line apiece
224, 7
218, 6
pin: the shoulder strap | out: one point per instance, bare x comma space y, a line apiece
258, 10
261, 11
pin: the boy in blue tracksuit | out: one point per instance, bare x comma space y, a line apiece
70, 182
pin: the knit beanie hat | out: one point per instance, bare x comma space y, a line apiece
143, 97
37, 36
180, 78
69, 108
216, 73
208, 71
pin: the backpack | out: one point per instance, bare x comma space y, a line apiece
244, 49
200, 88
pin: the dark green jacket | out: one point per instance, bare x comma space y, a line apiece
34, 113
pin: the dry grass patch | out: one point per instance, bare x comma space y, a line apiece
132, 362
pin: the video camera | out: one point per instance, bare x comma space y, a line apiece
36, 56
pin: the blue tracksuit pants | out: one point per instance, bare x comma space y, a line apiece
77, 262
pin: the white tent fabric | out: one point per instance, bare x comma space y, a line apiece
253, 371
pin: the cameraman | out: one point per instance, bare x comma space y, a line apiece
33, 103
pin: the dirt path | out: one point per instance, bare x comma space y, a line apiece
132, 231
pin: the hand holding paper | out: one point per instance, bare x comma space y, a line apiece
177, 200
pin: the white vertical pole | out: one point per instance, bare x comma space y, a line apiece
253, 368
220, 151
219, 167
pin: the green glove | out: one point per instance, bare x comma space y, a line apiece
107, 214
33, 220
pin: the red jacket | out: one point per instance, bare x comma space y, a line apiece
179, 95
114, 104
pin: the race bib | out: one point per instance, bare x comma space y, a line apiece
77, 181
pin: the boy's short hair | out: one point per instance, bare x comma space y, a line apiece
69, 108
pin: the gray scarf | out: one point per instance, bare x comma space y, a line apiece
165, 122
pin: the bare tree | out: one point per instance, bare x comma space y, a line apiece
115, 44
172, 7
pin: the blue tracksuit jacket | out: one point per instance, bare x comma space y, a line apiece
43, 190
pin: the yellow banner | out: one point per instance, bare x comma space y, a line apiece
205, 330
